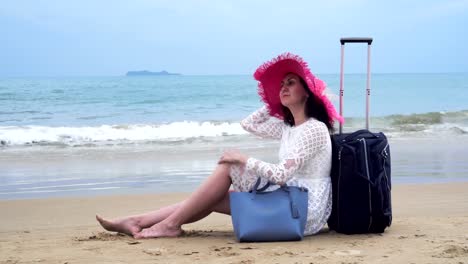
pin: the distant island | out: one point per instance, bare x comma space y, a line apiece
149, 73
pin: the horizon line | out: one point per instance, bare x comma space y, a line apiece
222, 74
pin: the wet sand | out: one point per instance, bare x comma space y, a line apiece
121, 170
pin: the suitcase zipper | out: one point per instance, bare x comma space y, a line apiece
385, 154
386, 177
384, 151
387, 182
338, 192
368, 177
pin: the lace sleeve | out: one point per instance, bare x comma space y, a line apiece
260, 123
312, 138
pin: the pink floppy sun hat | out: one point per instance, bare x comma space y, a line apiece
270, 74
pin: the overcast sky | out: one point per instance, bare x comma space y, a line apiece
101, 38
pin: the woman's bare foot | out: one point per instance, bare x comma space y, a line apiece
159, 230
127, 226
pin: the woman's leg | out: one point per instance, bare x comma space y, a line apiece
197, 206
133, 224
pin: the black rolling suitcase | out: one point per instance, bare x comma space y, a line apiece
361, 181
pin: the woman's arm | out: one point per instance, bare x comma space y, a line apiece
313, 138
260, 123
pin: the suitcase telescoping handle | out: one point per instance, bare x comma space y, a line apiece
355, 40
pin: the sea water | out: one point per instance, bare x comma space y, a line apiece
114, 110
52, 128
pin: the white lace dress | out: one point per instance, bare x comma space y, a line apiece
304, 161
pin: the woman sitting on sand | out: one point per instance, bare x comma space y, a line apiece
303, 123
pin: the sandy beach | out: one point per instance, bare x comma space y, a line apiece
430, 226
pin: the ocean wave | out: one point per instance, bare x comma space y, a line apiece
430, 118
431, 123
116, 134
434, 123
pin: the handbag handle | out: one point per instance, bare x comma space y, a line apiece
294, 209
258, 184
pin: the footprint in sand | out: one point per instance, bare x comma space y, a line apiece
155, 251
225, 251
283, 253
452, 251
347, 252
102, 237
247, 248
222, 248
245, 261
11, 261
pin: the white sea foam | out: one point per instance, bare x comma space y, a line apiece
75, 185
177, 131
434, 123
64, 190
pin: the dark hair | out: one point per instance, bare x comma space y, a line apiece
313, 108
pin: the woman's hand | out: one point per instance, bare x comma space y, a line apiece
233, 157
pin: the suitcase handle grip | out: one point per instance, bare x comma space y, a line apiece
361, 132
356, 40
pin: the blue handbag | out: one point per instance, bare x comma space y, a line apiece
279, 215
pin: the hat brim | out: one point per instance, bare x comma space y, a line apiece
270, 74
